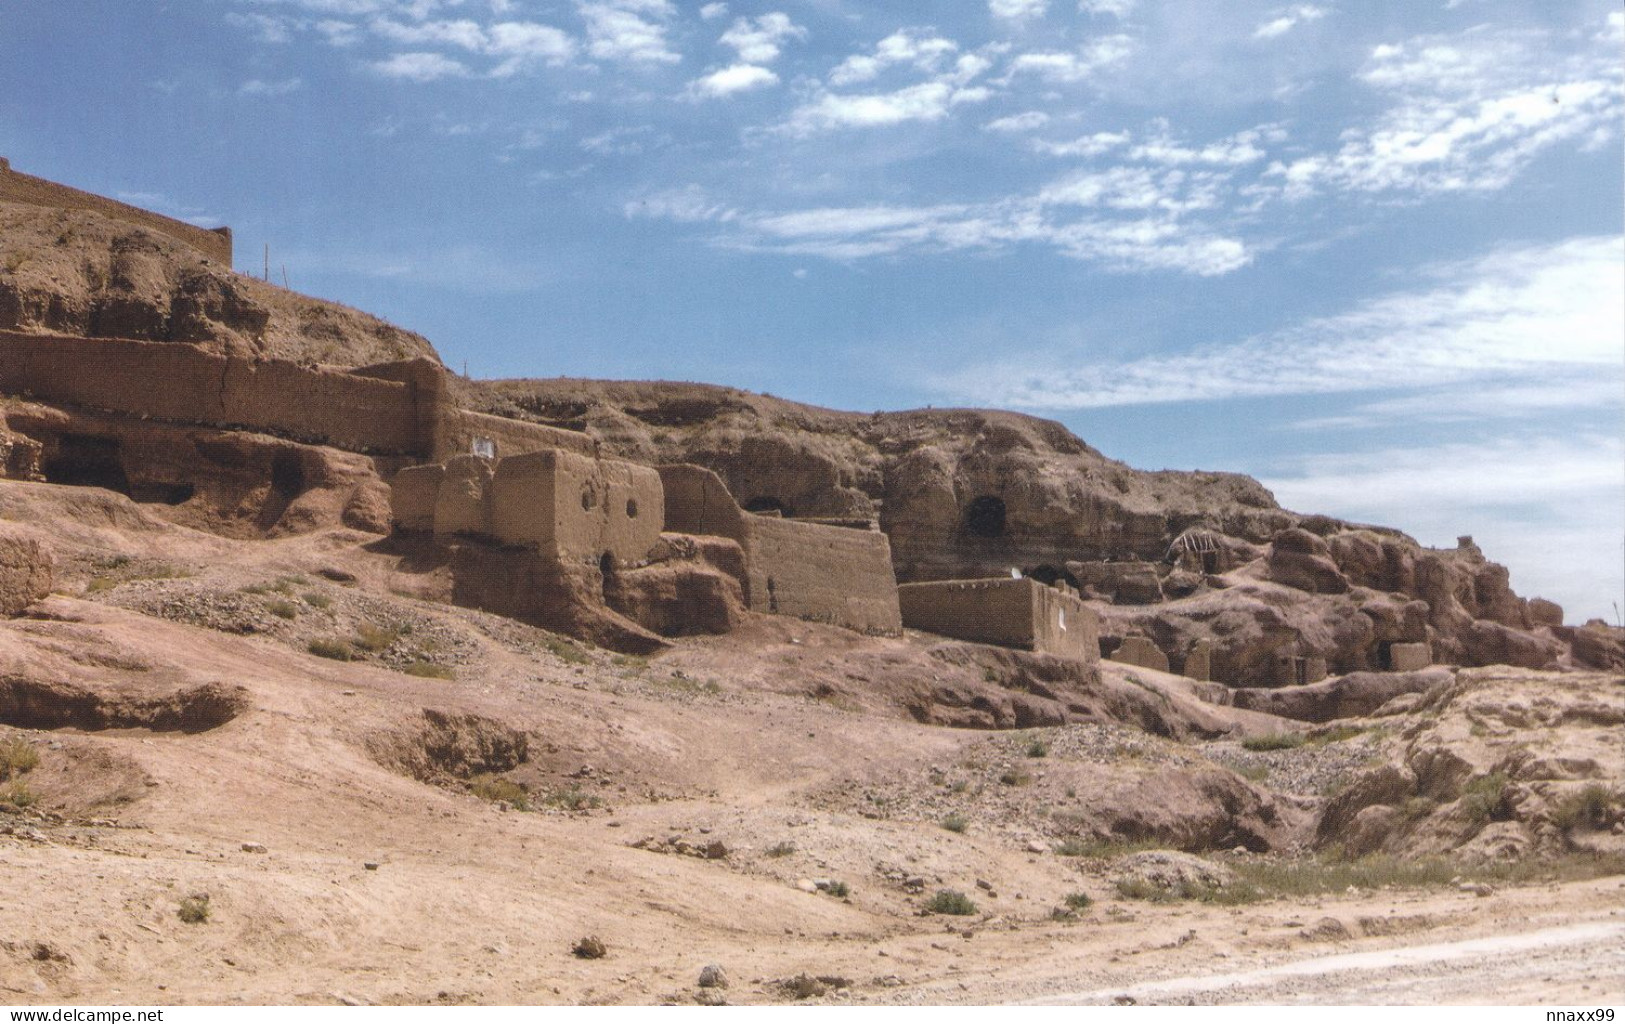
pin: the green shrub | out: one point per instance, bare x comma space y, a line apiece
783, 848
1274, 741
429, 670
566, 650
337, 650
1591, 807
18, 794
1037, 748
194, 909
98, 584
1015, 777
572, 799
317, 599
494, 789
955, 823
283, 609
840, 890
951, 901
17, 757
375, 639
1484, 799
1079, 901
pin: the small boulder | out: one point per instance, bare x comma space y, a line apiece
590, 947
713, 976
27, 570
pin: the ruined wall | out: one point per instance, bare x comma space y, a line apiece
183, 384
822, 573
1020, 613
577, 507
16, 187
457, 429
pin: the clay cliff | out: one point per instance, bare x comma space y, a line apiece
77, 272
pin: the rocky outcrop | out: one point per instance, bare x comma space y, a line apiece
27, 569
77, 272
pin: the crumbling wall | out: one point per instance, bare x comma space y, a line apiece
16, 187
576, 507
1019, 613
812, 571
458, 430
183, 384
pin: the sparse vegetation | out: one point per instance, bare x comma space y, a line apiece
429, 670
951, 901
317, 599
18, 794
782, 848
98, 584
1101, 849
572, 799
955, 823
1273, 741
377, 639
194, 909
17, 758
1015, 777
1337, 734
1079, 901
283, 609
1484, 799
337, 650
1037, 748
1591, 807
566, 650
840, 890
500, 790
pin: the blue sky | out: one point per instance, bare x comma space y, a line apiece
1370, 253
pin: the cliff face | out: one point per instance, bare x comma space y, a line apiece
1205, 565
80, 273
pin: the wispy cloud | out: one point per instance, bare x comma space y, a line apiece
760, 41
1532, 314
735, 78
1017, 10
1027, 121
260, 87
419, 66
1286, 19
1067, 66
1469, 113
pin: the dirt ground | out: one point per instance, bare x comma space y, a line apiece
324, 818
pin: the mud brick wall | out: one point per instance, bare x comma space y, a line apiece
811, 571
16, 187
577, 508
458, 429
1019, 613
182, 384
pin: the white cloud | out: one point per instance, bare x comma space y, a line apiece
711, 12
1073, 65
733, 79
1017, 10
466, 34
1114, 8
628, 30
259, 87
1286, 19
1026, 121
1084, 146
923, 50
1235, 150
928, 101
758, 42
523, 42
1469, 113
269, 29
419, 67
1531, 314
687, 205
339, 33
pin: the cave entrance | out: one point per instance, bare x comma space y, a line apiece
288, 475
984, 517
766, 505
82, 460
1049, 575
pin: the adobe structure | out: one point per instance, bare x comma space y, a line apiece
16, 187
1021, 613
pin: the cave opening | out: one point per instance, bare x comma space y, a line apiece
768, 506
984, 517
82, 460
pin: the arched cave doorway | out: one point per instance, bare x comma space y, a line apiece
287, 475
984, 517
768, 505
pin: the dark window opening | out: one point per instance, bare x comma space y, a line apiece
772, 595
1210, 562
288, 474
606, 565
1049, 575
984, 517
631, 508
767, 505
84, 461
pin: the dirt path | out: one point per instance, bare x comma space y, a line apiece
1516, 968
